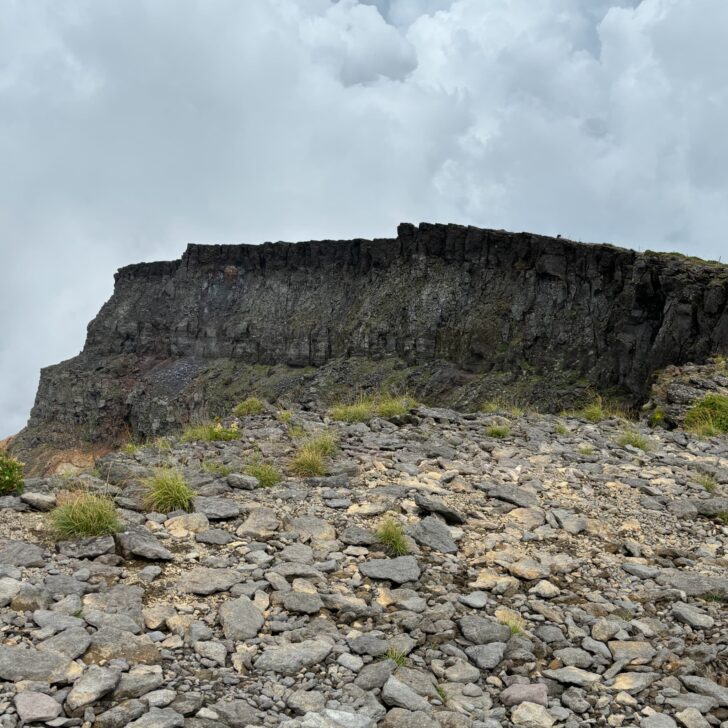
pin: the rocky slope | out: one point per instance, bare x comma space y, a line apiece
453, 314
555, 578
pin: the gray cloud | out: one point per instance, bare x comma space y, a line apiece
130, 129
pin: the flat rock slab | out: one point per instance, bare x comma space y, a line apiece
514, 494
216, 509
21, 553
87, 548
399, 570
208, 581
240, 619
290, 659
159, 718
433, 504
434, 534
116, 644
139, 541
36, 707
20, 663
91, 686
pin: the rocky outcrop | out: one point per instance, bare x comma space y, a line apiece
454, 314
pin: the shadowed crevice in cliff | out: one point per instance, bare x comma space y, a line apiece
452, 314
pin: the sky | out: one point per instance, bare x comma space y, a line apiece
130, 129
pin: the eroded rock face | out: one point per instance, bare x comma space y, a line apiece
439, 307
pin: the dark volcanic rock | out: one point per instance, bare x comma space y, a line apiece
548, 317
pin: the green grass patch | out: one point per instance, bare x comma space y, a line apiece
210, 432
167, 491
656, 418
633, 438
130, 448
390, 535
561, 429
498, 431
709, 416
599, 410
249, 406
586, 449
398, 657
511, 619
11, 475
284, 416
493, 406
442, 694
709, 483
81, 515
310, 459
366, 408
722, 517
267, 474
218, 469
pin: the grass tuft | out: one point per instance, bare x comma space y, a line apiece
365, 408
633, 438
11, 475
167, 491
585, 449
398, 657
722, 517
249, 406
267, 474
498, 431
214, 468
709, 483
81, 515
390, 535
561, 429
310, 459
511, 619
285, 416
709, 416
599, 410
442, 694
130, 448
210, 432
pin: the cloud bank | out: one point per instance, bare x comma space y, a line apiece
129, 129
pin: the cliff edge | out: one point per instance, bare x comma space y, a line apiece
452, 314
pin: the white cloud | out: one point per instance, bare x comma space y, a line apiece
130, 129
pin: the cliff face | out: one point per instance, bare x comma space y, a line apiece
453, 313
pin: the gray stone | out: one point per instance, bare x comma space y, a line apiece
216, 509
533, 693
36, 707
433, 504
302, 602
291, 658
240, 619
71, 643
236, 713
399, 570
91, 686
159, 718
39, 501
487, 657
261, 523
242, 482
214, 536
514, 494
20, 663
375, 674
330, 718
140, 541
396, 694
139, 681
434, 534
121, 715
21, 553
532, 715
87, 548
572, 676
692, 615
704, 686
9, 588
208, 581
481, 631
658, 720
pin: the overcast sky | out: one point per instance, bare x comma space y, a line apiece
129, 128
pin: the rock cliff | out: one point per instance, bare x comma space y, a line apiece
453, 314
